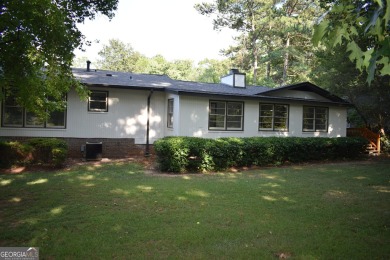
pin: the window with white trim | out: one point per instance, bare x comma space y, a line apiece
170, 113
98, 101
315, 119
273, 117
226, 115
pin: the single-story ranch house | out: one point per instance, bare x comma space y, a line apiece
127, 111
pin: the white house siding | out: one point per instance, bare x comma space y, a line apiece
194, 120
126, 118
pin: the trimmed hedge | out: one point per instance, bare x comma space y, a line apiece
189, 154
12, 153
47, 151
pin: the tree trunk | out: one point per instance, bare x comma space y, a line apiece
255, 69
255, 60
268, 70
286, 57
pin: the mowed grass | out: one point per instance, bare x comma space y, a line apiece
108, 211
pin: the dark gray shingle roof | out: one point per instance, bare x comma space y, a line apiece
164, 83
134, 80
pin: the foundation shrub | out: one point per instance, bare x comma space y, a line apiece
182, 154
12, 153
48, 151
172, 154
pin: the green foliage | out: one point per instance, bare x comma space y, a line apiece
13, 153
346, 22
37, 41
49, 151
118, 56
273, 38
385, 144
182, 154
210, 70
335, 72
179, 154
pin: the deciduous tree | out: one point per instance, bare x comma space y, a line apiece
118, 56
345, 22
337, 73
37, 39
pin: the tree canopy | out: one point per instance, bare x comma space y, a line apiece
345, 22
274, 37
119, 56
37, 39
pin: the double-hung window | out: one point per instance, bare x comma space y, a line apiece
315, 119
170, 113
98, 101
273, 117
226, 115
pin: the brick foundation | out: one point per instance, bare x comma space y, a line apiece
111, 147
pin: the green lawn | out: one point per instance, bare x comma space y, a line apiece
324, 211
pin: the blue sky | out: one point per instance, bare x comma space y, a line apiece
172, 28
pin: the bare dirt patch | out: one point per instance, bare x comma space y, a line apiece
150, 164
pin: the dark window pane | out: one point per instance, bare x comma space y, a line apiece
308, 112
321, 110
98, 101
217, 108
266, 123
266, 126
97, 105
170, 113
98, 96
13, 116
234, 109
56, 119
308, 124
280, 111
266, 107
218, 111
32, 120
233, 122
217, 121
266, 113
280, 123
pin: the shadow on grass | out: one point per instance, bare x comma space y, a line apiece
327, 211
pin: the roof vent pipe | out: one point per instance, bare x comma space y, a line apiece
88, 65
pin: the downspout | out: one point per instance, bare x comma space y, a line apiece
147, 150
